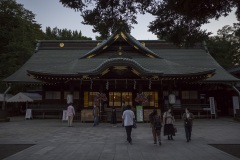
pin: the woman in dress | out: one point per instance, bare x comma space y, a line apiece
168, 121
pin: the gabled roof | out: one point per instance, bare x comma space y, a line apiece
116, 36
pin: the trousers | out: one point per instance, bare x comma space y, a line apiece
129, 132
70, 120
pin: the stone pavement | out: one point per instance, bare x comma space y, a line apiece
54, 140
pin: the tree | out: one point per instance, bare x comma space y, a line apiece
225, 47
107, 15
178, 21
64, 34
18, 34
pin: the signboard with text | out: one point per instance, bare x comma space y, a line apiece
212, 105
235, 103
65, 115
28, 114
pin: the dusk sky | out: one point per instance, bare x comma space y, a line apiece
52, 13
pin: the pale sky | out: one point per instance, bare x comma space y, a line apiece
52, 13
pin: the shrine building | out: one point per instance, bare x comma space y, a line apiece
122, 69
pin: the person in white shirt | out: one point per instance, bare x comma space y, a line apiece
128, 118
71, 114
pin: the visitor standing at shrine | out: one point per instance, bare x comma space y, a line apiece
128, 118
70, 114
188, 122
156, 124
114, 117
95, 115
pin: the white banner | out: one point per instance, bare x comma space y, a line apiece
235, 103
212, 105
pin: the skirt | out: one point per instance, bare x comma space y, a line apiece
169, 130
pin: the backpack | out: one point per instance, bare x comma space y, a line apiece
150, 117
157, 123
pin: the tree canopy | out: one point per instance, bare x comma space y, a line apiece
178, 21
64, 34
18, 34
225, 47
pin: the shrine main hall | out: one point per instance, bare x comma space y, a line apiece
141, 73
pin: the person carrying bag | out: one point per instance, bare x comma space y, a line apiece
156, 125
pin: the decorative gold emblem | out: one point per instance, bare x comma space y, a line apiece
61, 44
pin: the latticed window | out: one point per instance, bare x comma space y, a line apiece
116, 98
89, 98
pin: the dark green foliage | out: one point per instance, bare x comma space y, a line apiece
178, 21
18, 33
225, 47
64, 34
106, 15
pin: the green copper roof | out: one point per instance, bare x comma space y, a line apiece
71, 60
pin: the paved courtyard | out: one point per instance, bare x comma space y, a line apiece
54, 140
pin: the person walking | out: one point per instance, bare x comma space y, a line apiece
128, 118
156, 124
168, 121
114, 117
124, 107
70, 114
95, 115
188, 122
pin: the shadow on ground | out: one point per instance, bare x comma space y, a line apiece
233, 149
7, 150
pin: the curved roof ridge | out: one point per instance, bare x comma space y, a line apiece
120, 61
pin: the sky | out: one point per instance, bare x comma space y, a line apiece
52, 13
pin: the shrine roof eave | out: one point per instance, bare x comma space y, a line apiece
78, 76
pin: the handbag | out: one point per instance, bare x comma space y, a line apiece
175, 129
134, 124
